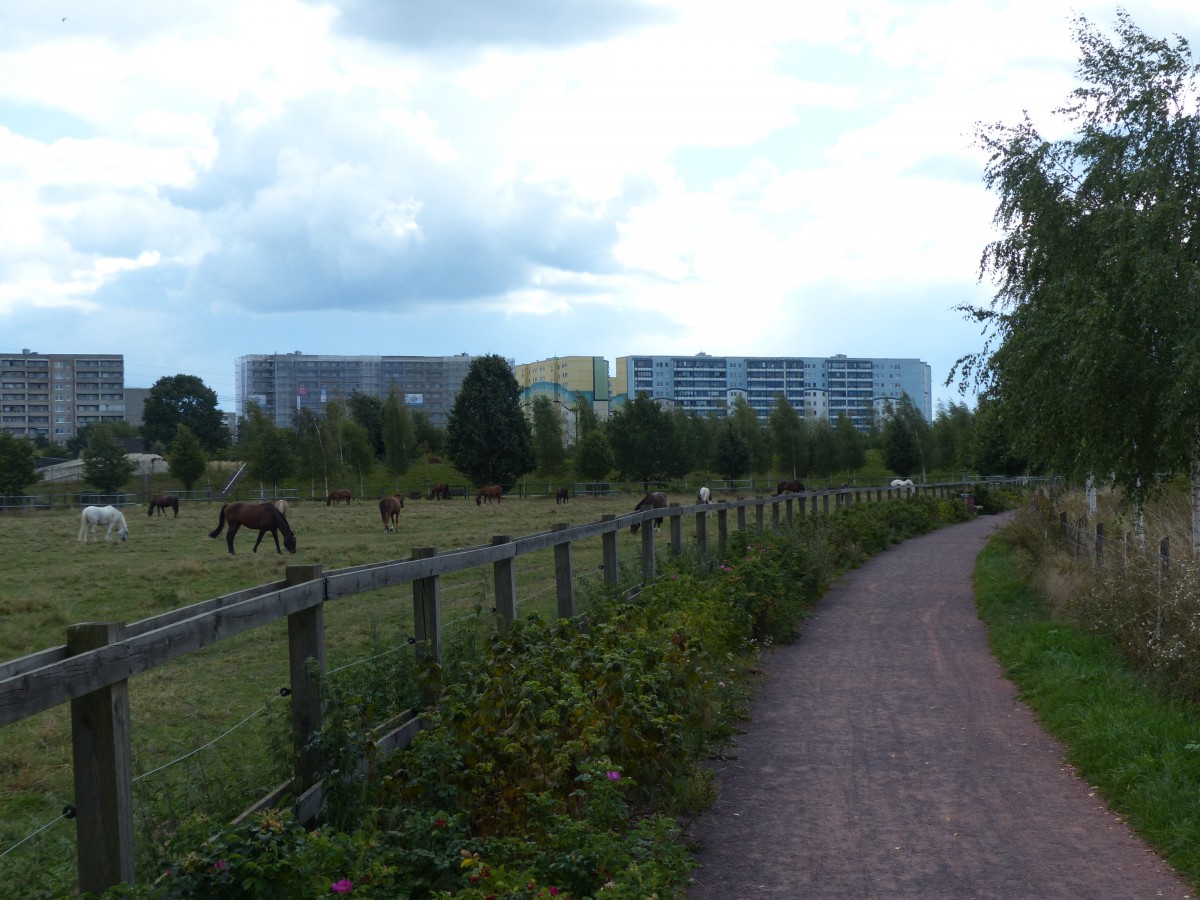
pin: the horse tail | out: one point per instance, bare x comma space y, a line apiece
220, 523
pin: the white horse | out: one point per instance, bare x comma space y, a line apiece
95, 516
704, 495
282, 506
905, 486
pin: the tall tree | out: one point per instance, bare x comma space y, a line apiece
746, 419
1093, 350
548, 437
823, 448
315, 457
367, 411
187, 461
851, 445
105, 465
905, 439
425, 433
788, 438
269, 452
487, 437
360, 457
399, 436
953, 433
731, 455
183, 400
18, 469
593, 458
641, 433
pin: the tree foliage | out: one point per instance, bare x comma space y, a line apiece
105, 465
398, 435
731, 455
548, 437
906, 442
789, 438
487, 436
593, 457
367, 411
1093, 353
187, 461
18, 469
183, 400
641, 435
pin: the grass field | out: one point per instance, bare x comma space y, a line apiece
50, 580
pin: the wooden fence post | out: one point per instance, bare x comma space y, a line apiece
775, 516
564, 576
825, 502
723, 531
504, 578
306, 665
427, 617
759, 515
741, 518
791, 516
702, 538
103, 770
676, 532
648, 571
608, 542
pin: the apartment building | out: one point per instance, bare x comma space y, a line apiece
54, 395
567, 381
282, 383
823, 387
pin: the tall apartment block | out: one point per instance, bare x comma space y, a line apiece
283, 383
823, 387
53, 395
567, 381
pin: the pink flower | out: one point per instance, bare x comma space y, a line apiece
553, 891
614, 776
344, 886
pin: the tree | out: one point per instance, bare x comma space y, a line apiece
360, 457
105, 465
18, 468
310, 443
905, 439
183, 400
823, 448
187, 461
269, 453
548, 437
850, 446
788, 437
487, 437
425, 433
746, 419
1093, 336
731, 455
399, 437
593, 456
953, 433
367, 411
640, 434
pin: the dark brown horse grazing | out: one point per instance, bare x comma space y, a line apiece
656, 500
489, 492
337, 497
263, 516
160, 502
563, 495
789, 487
440, 492
389, 511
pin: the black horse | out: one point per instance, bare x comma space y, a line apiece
263, 516
655, 500
789, 487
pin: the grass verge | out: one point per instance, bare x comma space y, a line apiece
1140, 749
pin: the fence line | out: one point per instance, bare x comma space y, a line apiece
92, 670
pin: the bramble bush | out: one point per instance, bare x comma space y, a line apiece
554, 764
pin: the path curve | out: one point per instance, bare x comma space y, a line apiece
888, 757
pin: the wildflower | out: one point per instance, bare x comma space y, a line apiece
344, 886
220, 864
553, 890
439, 823
614, 776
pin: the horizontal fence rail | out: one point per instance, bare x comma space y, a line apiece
91, 671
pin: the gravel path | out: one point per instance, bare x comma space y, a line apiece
888, 757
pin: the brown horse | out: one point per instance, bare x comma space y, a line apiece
337, 497
440, 492
161, 502
563, 495
389, 511
489, 492
789, 487
263, 516
655, 500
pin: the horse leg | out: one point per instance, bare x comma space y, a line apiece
233, 529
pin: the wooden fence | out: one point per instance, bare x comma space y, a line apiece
91, 671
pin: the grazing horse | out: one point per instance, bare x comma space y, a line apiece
655, 500
337, 497
95, 516
792, 486
263, 516
160, 502
704, 495
440, 492
904, 486
489, 492
563, 495
389, 511
282, 506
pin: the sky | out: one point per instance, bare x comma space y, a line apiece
186, 183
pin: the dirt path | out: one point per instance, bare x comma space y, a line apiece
888, 757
